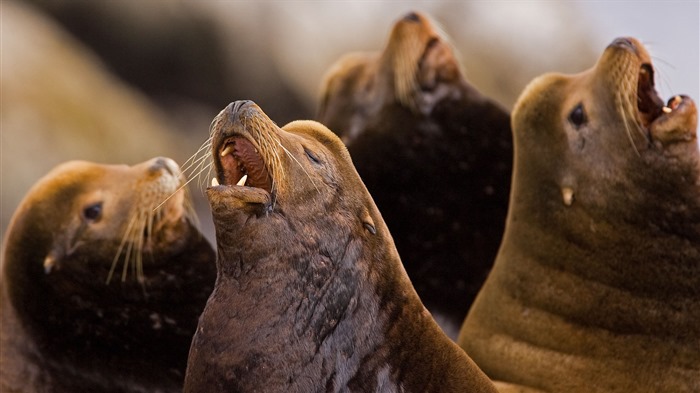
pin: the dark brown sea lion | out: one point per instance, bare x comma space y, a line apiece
311, 295
100, 291
435, 154
596, 287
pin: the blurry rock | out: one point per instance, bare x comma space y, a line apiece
59, 103
182, 53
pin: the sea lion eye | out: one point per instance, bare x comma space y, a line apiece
313, 157
577, 117
93, 212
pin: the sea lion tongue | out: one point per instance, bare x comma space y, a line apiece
241, 163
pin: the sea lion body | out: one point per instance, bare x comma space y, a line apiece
64, 327
311, 295
435, 154
596, 287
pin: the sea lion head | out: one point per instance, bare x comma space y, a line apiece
268, 177
416, 70
85, 209
604, 141
85, 225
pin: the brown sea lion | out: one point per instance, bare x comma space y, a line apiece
311, 295
435, 154
596, 287
100, 291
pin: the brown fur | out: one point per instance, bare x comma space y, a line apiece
101, 298
311, 295
596, 287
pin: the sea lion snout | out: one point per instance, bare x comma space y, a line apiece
625, 42
234, 110
159, 164
412, 17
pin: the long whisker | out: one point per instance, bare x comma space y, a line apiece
623, 110
125, 238
182, 186
193, 160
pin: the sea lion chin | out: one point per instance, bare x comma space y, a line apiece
103, 278
311, 295
596, 287
435, 154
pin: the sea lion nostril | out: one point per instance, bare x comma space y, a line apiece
237, 105
624, 42
412, 17
161, 163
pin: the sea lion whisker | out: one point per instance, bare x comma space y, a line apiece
203, 180
192, 161
289, 154
202, 162
124, 240
182, 186
134, 247
623, 112
137, 268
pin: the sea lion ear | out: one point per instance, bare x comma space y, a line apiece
64, 245
368, 222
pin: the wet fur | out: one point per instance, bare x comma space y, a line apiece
311, 295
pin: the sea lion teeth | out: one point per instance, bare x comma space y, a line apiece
214, 182
673, 104
227, 150
242, 181
667, 109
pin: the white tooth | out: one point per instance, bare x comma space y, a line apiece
227, 150
214, 182
667, 109
242, 181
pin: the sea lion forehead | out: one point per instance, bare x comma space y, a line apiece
318, 132
71, 175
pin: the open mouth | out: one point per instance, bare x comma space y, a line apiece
240, 164
650, 106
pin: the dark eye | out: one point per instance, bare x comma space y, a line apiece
577, 117
313, 157
93, 212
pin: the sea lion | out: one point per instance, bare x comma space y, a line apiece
435, 154
311, 295
596, 287
100, 292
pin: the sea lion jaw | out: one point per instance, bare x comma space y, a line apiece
247, 176
627, 62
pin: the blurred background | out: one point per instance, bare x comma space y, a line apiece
123, 81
